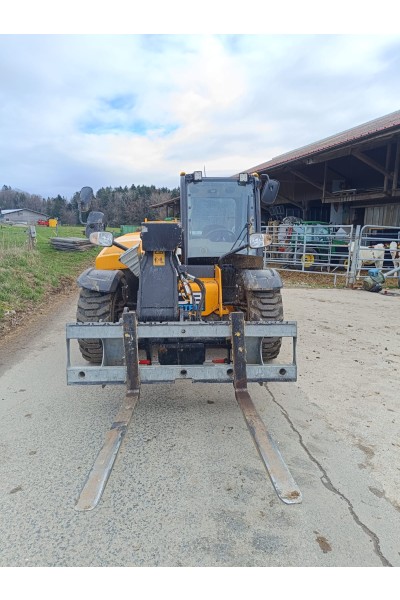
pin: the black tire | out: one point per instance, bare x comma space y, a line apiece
94, 307
266, 306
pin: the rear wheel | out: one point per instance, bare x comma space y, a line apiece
94, 307
266, 306
308, 258
344, 262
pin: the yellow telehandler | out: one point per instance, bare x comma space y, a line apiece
186, 298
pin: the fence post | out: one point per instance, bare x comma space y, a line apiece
353, 256
31, 237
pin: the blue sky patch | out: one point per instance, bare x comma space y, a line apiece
140, 127
122, 102
117, 115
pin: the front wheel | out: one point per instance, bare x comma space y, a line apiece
266, 305
94, 307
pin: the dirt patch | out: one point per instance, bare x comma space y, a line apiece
312, 279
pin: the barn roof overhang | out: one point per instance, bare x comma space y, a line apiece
169, 202
365, 159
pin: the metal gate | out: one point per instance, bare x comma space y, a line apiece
339, 250
311, 247
374, 246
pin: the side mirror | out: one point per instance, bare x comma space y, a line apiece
86, 196
269, 191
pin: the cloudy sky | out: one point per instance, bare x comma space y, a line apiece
114, 110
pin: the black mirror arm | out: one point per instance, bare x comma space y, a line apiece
81, 221
121, 246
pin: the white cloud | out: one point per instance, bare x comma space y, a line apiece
115, 110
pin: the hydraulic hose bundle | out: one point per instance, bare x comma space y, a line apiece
185, 279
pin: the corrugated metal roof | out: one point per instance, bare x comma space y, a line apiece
334, 141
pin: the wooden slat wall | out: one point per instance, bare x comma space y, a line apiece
387, 215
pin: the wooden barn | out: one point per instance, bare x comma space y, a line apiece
348, 178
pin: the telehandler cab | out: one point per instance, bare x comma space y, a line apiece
186, 299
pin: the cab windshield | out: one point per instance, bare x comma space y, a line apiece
217, 217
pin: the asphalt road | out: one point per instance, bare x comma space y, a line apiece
188, 487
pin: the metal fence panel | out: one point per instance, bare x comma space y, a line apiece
339, 250
309, 247
379, 247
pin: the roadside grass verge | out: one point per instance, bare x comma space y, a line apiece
28, 276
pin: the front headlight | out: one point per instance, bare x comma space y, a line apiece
101, 238
259, 240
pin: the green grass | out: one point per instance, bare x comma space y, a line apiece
27, 276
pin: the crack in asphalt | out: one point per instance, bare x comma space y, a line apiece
329, 486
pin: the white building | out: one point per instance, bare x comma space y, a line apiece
22, 215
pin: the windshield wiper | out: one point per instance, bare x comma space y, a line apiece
234, 250
245, 227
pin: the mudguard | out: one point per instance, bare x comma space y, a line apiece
261, 279
99, 280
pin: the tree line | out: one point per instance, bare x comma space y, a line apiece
120, 205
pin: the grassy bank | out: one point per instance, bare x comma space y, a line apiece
27, 276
